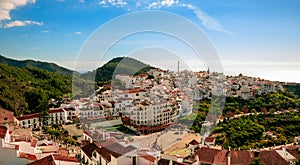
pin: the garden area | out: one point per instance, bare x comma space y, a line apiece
258, 131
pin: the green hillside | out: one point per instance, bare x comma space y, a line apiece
51, 67
116, 66
28, 90
295, 88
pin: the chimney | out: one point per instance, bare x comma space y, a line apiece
228, 157
202, 141
284, 149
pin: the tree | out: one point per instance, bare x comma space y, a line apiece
37, 100
256, 161
253, 111
43, 117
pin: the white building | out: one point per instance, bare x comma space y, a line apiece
55, 116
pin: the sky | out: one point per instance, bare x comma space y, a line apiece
258, 38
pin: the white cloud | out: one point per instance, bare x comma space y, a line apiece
115, 3
77, 33
81, 1
22, 23
102, 2
163, 3
169, 2
154, 5
206, 20
7, 5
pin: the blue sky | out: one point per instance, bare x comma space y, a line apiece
257, 37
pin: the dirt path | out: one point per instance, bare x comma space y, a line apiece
179, 147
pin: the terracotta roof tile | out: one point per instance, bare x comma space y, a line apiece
48, 160
56, 110
271, 158
65, 158
148, 157
88, 149
25, 117
240, 157
6, 116
294, 151
209, 139
132, 91
27, 156
194, 142
206, 155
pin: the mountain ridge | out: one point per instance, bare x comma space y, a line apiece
51, 67
115, 66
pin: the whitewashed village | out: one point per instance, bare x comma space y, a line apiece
134, 121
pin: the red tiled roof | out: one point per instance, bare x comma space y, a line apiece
89, 133
25, 117
48, 160
88, 149
69, 109
65, 158
194, 142
167, 110
209, 139
143, 75
27, 156
6, 116
148, 157
220, 157
63, 152
210, 155
132, 91
240, 157
56, 110
294, 152
271, 157
3, 131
